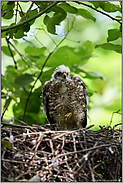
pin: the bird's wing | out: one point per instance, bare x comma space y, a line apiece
45, 94
45, 101
79, 82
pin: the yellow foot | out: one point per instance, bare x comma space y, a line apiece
68, 116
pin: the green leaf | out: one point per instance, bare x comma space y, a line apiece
64, 55
90, 75
8, 5
109, 46
11, 73
58, 9
106, 6
8, 101
34, 51
56, 19
46, 76
84, 51
4, 34
20, 31
95, 3
34, 104
50, 26
93, 75
7, 144
11, 32
113, 34
7, 10
85, 14
5, 49
8, 14
68, 8
31, 14
3, 3
23, 80
46, 20
19, 34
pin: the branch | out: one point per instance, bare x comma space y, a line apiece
35, 83
83, 150
7, 40
98, 11
26, 12
4, 111
30, 19
22, 57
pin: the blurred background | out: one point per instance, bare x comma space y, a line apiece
105, 98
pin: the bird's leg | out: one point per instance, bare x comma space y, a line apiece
68, 116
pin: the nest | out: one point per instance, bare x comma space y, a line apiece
36, 153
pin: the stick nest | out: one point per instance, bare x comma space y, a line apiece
31, 153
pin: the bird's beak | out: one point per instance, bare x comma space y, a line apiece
64, 74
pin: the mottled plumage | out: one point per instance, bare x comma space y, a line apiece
64, 100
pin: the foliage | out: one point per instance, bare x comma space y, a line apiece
23, 81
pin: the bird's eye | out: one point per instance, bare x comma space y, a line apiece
59, 73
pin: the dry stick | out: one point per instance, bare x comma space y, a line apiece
91, 170
14, 161
113, 115
29, 19
98, 11
84, 150
16, 125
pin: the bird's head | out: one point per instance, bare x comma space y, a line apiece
61, 73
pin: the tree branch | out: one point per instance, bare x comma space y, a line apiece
7, 40
4, 111
26, 12
29, 19
98, 11
35, 83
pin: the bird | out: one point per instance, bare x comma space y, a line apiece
65, 100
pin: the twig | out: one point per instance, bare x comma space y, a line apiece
14, 161
26, 12
20, 8
7, 40
16, 13
35, 83
113, 115
91, 170
40, 42
84, 150
117, 125
18, 53
16, 125
29, 19
78, 2
4, 111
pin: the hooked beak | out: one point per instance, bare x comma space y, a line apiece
64, 74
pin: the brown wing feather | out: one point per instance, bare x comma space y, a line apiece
45, 101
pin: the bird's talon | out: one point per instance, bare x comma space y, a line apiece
68, 116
